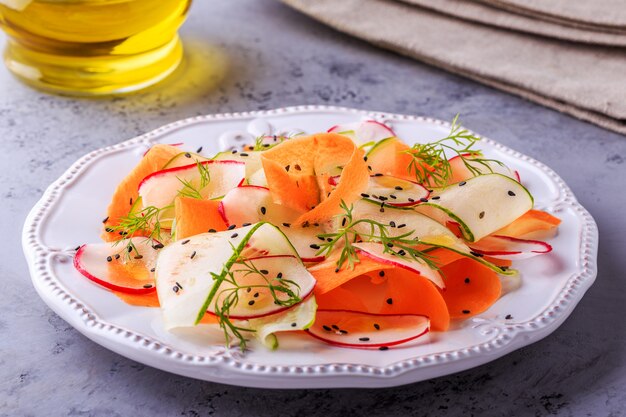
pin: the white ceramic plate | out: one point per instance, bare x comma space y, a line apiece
71, 210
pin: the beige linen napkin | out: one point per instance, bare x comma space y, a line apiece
485, 14
601, 14
588, 82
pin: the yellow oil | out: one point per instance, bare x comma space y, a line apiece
92, 47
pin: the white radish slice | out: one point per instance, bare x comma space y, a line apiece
117, 269
299, 317
252, 204
377, 252
460, 171
258, 178
161, 188
266, 142
506, 247
187, 266
355, 329
252, 159
392, 191
365, 132
402, 221
481, 205
253, 276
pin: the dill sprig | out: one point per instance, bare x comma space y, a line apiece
145, 222
192, 191
403, 245
430, 164
284, 292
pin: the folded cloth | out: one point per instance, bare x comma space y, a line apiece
599, 14
486, 14
588, 82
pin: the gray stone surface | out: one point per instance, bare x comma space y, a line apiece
279, 58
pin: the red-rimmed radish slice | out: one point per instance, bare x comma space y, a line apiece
377, 252
184, 269
252, 159
162, 187
355, 329
391, 190
305, 240
252, 204
460, 171
255, 297
505, 247
365, 132
117, 269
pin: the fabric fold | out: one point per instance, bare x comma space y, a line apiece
586, 81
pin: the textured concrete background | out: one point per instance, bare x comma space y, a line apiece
269, 56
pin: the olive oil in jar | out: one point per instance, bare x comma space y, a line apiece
92, 47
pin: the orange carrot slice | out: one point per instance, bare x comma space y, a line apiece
126, 192
471, 288
139, 300
530, 222
195, 216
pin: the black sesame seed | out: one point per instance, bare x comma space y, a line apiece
365, 195
316, 224
246, 224
369, 167
232, 226
383, 348
175, 289
336, 270
147, 286
267, 145
263, 210
187, 155
264, 271
287, 224
199, 149
248, 289
381, 274
243, 154
314, 246
77, 248
511, 193
256, 295
377, 326
435, 197
329, 239
251, 302
294, 324
401, 252
334, 326
131, 201
410, 200
364, 339
343, 221
325, 327
393, 196
234, 235
424, 200
397, 187
130, 249
109, 259
139, 257
390, 301
481, 214
389, 245
400, 226
465, 312
184, 242
193, 255
280, 275
392, 223
343, 331
365, 158
178, 285
297, 167
383, 198
105, 219
109, 230
234, 151
322, 238
509, 317
152, 269
467, 280
378, 174
212, 231
462, 183
158, 246
287, 168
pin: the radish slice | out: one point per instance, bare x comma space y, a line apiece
376, 251
161, 188
117, 269
366, 330
252, 204
183, 271
266, 142
391, 190
252, 159
460, 172
298, 317
505, 247
366, 132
